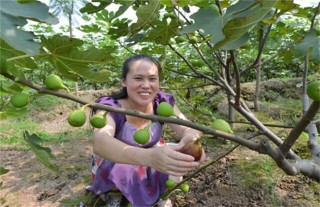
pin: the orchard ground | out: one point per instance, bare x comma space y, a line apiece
240, 178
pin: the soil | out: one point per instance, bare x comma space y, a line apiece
30, 184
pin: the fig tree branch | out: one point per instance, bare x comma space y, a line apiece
155, 118
299, 128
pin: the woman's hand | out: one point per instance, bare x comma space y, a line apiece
169, 160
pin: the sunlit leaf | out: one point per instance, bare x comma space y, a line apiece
69, 60
240, 23
231, 28
119, 28
146, 14
163, 31
90, 8
209, 22
13, 15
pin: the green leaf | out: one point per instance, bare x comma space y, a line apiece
230, 29
42, 153
14, 14
236, 43
240, 23
209, 22
146, 14
12, 112
311, 43
77, 200
3, 170
73, 62
9, 52
90, 8
163, 32
119, 28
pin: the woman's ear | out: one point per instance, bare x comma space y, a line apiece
123, 82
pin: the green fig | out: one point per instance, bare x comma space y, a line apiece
193, 40
214, 8
181, 39
19, 100
165, 109
313, 90
184, 187
98, 120
197, 63
170, 183
54, 82
221, 125
141, 136
77, 118
193, 148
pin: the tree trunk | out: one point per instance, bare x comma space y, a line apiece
258, 74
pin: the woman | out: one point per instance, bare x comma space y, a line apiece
138, 171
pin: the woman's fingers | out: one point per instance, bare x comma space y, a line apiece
175, 154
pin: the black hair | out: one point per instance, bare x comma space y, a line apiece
125, 69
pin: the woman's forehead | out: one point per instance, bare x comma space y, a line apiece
143, 66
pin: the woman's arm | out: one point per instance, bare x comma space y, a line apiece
165, 159
186, 134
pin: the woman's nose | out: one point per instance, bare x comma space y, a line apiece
146, 84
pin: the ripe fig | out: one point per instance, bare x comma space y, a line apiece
193, 148
313, 90
54, 82
77, 118
165, 109
221, 125
98, 120
19, 100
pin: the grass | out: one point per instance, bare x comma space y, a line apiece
12, 128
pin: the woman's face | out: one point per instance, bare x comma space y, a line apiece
142, 82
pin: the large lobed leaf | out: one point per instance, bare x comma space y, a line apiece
146, 14
13, 15
230, 30
66, 57
311, 43
163, 32
8, 52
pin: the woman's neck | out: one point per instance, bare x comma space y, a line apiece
137, 121
144, 109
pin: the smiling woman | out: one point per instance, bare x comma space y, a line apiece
138, 170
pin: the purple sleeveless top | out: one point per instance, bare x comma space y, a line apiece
141, 185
